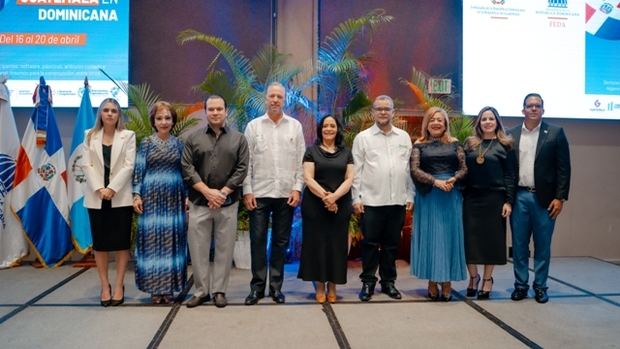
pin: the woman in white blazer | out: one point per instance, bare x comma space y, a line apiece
109, 155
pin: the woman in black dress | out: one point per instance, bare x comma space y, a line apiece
489, 195
109, 155
326, 210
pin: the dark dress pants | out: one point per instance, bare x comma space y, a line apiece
381, 227
281, 219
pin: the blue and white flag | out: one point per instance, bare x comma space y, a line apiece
80, 224
40, 189
12, 243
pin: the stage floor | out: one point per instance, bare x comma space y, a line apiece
59, 308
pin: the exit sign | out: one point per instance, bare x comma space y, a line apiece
439, 86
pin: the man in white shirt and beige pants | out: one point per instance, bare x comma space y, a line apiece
382, 191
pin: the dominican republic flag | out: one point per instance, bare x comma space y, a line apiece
40, 193
12, 244
80, 224
603, 19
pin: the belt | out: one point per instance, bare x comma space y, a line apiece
530, 189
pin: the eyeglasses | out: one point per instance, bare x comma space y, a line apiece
532, 106
387, 110
110, 110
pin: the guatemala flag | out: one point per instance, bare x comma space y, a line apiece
80, 224
40, 194
12, 244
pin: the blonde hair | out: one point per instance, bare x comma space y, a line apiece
425, 136
503, 138
120, 125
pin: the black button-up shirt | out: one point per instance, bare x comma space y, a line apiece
218, 161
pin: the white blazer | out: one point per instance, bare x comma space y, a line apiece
121, 168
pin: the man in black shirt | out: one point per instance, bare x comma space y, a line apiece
215, 163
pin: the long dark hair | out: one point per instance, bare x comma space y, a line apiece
339, 141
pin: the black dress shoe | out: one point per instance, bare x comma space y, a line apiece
219, 299
475, 280
391, 291
368, 289
482, 294
197, 300
541, 295
277, 296
253, 297
117, 302
106, 302
518, 294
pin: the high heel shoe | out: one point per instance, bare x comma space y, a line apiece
106, 302
475, 280
117, 302
446, 296
331, 292
331, 298
320, 298
434, 296
482, 294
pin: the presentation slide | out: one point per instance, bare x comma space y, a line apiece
566, 50
64, 41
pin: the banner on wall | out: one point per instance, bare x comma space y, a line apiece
64, 40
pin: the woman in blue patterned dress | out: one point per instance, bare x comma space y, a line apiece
159, 200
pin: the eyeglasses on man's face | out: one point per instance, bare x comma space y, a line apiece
532, 106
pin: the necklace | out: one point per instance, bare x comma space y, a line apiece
481, 153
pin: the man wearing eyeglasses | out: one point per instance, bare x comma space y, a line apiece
543, 185
382, 191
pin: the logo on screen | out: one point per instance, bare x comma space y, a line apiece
498, 2
597, 103
558, 3
606, 8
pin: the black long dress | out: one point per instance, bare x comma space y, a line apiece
487, 187
324, 242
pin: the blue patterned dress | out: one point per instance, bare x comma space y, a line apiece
161, 242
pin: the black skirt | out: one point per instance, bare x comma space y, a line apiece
110, 227
484, 227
